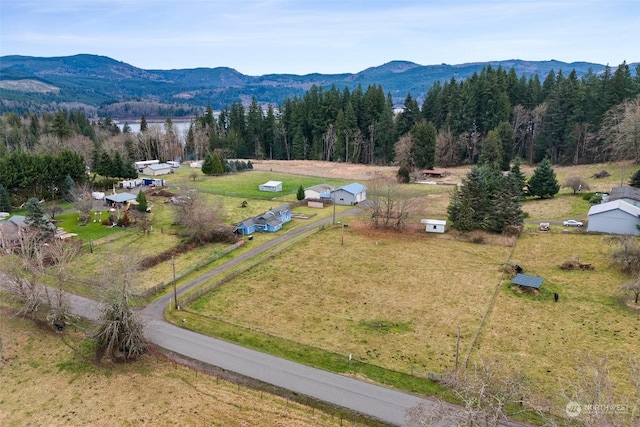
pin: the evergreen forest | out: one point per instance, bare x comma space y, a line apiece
493, 115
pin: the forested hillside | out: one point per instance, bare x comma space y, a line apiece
492, 114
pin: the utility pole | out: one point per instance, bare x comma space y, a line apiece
457, 349
334, 210
175, 291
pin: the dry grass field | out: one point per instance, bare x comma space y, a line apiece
48, 380
397, 300
393, 300
390, 299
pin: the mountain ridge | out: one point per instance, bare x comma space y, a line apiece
95, 80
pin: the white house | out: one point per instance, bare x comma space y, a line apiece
273, 186
157, 169
350, 194
317, 192
434, 225
615, 217
140, 164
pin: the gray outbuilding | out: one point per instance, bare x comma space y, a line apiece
616, 217
350, 194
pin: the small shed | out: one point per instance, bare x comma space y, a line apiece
157, 169
272, 186
434, 225
527, 281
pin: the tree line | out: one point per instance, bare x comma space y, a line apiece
568, 119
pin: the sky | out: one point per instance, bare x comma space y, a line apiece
257, 37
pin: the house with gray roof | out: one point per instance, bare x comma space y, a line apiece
626, 193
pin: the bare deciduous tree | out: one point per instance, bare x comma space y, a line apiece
201, 220
83, 201
447, 148
329, 139
632, 287
576, 184
59, 254
25, 275
388, 203
621, 129
627, 253
594, 392
403, 150
489, 396
120, 332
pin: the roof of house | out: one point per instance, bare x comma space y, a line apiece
121, 197
159, 166
268, 218
281, 209
528, 281
613, 205
625, 192
434, 221
353, 188
246, 222
320, 188
272, 183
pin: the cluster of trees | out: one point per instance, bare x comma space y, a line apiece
113, 167
491, 200
26, 175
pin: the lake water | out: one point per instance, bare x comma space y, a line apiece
181, 127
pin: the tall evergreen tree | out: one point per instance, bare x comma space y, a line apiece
218, 164
635, 179
491, 153
423, 138
143, 124
141, 198
36, 219
506, 206
69, 189
5, 201
517, 175
543, 182
208, 167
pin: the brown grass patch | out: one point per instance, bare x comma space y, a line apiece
46, 381
324, 294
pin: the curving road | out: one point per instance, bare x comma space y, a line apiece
369, 399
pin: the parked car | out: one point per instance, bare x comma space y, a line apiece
572, 223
